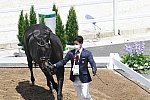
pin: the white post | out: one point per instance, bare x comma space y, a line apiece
111, 63
115, 19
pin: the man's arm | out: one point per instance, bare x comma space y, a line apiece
92, 63
63, 61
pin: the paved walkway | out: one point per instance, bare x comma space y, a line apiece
117, 40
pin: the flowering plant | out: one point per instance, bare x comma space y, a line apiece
135, 57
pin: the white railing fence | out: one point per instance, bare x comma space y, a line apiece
113, 62
143, 81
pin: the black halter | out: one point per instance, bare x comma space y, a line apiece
40, 44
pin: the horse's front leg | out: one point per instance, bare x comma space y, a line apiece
50, 85
30, 65
50, 80
60, 79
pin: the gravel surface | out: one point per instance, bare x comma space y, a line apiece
14, 85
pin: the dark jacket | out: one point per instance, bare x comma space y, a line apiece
85, 57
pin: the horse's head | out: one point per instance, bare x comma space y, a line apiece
44, 49
43, 43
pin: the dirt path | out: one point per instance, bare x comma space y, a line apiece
14, 85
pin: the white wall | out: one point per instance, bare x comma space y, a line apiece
101, 10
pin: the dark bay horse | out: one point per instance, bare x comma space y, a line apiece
44, 48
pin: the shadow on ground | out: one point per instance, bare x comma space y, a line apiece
35, 92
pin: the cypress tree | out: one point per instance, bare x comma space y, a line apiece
26, 21
59, 27
60, 30
55, 9
33, 19
42, 20
21, 30
71, 26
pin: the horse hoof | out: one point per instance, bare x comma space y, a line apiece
59, 97
53, 91
32, 83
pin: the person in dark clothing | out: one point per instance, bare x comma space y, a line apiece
79, 74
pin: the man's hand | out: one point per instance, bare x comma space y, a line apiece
94, 72
54, 66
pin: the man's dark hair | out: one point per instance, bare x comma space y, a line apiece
79, 39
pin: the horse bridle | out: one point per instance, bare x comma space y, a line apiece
38, 43
41, 45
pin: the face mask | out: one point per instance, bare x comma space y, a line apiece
77, 46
